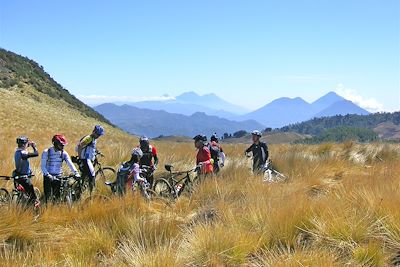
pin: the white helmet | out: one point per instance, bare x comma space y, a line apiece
137, 152
256, 132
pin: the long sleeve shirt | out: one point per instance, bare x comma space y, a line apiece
52, 161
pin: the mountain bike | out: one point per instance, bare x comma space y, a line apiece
143, 187
70, 189
102, 174
18, 194
175, 184
272, 175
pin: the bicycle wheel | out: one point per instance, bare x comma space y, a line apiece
4, 196
164, 189
105, 174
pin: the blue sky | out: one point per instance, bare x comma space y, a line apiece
249, 52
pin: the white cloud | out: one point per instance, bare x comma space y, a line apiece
99, 99
370, 104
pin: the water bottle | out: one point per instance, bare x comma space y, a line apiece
178, 188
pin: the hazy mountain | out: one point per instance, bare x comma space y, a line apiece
326, 101
211, 101
281, 112
154, 123
189, 103
342, 107
285, 111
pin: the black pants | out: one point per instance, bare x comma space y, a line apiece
29, 189
51, 189
216, 167
87, 173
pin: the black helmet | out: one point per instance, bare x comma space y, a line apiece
200, 137
22, 140
214, 138
144, 141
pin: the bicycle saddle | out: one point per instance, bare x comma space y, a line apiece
169, 167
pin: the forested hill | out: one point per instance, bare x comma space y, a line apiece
20, 73
317, 126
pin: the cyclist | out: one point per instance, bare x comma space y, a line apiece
130, 172
52, 160
23, 168
217, 153
260, 152
149, 153
204, 161
86, 149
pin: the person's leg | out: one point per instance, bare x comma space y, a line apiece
27, 184
55, 185
47, 189
89, 169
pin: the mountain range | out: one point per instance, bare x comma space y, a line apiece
276, 114
285, 111
158, 122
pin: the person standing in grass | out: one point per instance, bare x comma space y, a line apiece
87, 153
52, 160
217, 153
149, 158
23, 167
260, 153
203, 158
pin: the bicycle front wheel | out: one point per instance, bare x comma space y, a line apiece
105, 174
164, 189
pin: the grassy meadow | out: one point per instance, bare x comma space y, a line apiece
339, 207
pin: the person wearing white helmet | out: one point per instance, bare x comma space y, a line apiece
259, 150
129, 172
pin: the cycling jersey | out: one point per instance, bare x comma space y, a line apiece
260, 154
148, 156
22, 165
204, 156
52, 161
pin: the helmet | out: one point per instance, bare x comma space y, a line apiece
98, 129
200, 137
214, 138
59, 139
22, 140
137, 152
256, 132
144, 141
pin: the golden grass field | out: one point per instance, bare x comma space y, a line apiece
340, 206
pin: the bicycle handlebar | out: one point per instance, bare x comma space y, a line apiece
16, 177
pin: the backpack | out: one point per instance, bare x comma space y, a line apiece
79, 149
215, 150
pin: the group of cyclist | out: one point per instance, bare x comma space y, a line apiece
209, 160
52, 162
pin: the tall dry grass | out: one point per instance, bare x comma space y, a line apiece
339, 206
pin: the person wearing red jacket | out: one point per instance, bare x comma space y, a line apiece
203, 158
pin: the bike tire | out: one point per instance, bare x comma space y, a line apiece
5, 197
163, 189
105, 174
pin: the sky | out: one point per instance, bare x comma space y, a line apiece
248, 52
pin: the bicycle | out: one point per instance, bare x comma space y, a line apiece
143, 187
269, 173
272, 175
70, 189
173, 186
101, 173
18, 194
